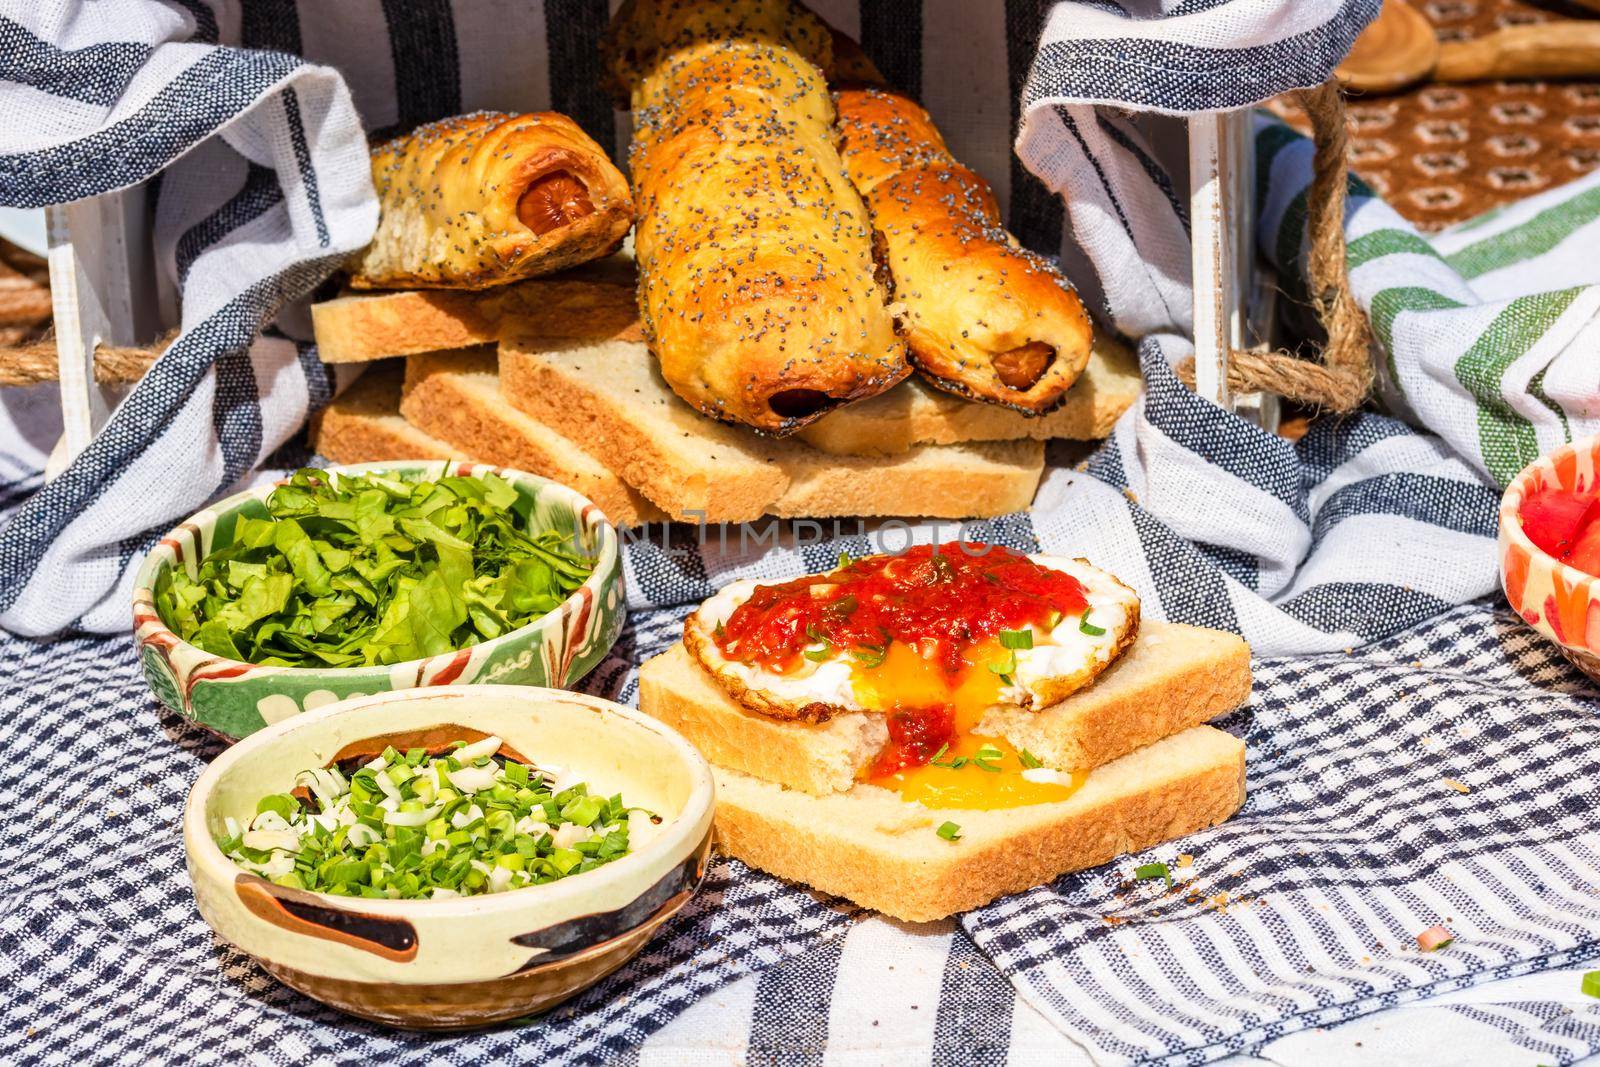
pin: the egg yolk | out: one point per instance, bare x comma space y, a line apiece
935, 757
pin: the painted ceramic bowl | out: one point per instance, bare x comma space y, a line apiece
464, 961
1559, 601
236, 699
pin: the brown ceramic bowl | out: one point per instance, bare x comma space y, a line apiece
465, 961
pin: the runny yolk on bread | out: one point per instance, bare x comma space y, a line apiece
930, 639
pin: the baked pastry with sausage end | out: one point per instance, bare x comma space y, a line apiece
984, 317
484, 199
758, 288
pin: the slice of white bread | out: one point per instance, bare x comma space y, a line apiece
455, 396
611, 397
593, 302
1172, 678
363, 424
916, 413
884, 853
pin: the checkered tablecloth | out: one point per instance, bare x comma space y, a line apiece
105, 959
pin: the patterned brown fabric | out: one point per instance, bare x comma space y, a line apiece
1440, 154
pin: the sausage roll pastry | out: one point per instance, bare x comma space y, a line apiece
984, 317
484, 199
757, 285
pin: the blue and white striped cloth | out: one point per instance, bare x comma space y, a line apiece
1367, 526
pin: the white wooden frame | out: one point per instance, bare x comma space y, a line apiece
102, 295
1232, 298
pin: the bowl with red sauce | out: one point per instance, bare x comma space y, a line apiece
1550, 549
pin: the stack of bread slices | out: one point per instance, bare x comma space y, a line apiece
792, 799
551, 376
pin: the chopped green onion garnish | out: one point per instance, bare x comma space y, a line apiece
984, 760
1148, 871
1029, 760
1591, 984
869, 655
844, 560
1085, 626
407, 827
950, 831
1016, 638
1005, 666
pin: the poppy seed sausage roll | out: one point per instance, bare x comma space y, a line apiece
984, 317
485, 199
758, 291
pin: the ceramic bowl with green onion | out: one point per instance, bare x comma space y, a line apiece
466, 960
235, 695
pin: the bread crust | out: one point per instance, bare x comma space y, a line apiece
872, 847
982, 315
489, 198
363, 424
757, 287
702, 645
356, 327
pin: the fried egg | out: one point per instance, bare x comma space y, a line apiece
1063, 658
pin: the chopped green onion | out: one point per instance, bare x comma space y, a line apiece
870, 656
1087, 627
1029, 760
1148, 871
984, 760
1591, 984
280, 803
844, 560
950, 832
1016, 638
385, 831
1005, 666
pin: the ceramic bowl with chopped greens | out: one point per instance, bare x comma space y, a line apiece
367, 578
449, 857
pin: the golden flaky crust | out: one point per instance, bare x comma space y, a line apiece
757, 282
984, 317
488, 198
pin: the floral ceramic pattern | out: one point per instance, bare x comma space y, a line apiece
235, 699
1557, 600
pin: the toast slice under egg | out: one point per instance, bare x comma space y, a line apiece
1172, 677
872, 847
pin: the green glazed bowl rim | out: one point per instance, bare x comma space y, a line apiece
151, 627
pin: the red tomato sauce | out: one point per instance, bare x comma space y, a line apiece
954, 595
915, 736
1565, 524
